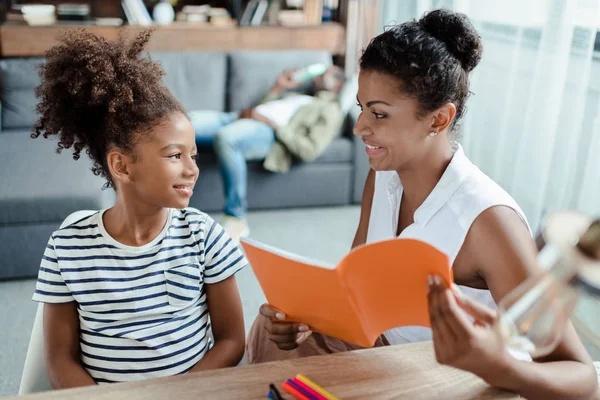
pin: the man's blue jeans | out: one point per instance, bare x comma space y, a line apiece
235, 141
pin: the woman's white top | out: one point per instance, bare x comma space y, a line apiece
443, 220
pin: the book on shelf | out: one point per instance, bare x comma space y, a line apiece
73, 12
194, 14
291, 18
136, 12
329, 9
313, 10
246, 19
203, 9
220, 17
128, 13
104, 21
260, 12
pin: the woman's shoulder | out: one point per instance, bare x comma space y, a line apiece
478, 193
478, 184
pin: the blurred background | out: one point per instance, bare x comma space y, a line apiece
532, 122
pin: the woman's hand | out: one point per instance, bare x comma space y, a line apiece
476, 347
286, 335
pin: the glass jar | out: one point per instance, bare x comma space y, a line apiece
533, 316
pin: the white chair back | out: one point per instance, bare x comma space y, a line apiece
35, 376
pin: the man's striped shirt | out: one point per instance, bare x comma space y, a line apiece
142, 310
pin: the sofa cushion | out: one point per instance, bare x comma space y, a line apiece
39, 185
18, 80
305, 185
339, 151
197, 80
253, 73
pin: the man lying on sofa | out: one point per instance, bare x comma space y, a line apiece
296, 120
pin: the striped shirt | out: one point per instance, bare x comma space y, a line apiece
142, 310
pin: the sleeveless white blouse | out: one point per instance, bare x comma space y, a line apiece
443, 220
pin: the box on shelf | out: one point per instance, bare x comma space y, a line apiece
291, 18
39, 14
108, 21
73, 12
205, 14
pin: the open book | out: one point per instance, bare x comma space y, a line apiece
374, 288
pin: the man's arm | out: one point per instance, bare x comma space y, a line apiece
308, 142
61, 337
227, 320
284, 82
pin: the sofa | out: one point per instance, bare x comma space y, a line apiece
40, 188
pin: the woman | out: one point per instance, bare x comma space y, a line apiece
413, 86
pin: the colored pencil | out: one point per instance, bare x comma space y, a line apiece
316, 395
301, 389
291, 390
316, 387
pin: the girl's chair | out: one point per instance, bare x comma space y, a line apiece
35, 376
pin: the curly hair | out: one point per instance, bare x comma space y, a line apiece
431, 59
96, 94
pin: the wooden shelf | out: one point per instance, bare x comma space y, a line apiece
28, 41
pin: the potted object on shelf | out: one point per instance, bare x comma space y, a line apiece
163, 12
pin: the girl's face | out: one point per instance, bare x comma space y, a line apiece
388, 123
164, 169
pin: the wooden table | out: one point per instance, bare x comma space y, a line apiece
398, 372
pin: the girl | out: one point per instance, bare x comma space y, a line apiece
146, 288
413, 87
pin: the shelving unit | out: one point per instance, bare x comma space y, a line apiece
28, 41
19, 40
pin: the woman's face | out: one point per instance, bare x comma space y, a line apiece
388, 123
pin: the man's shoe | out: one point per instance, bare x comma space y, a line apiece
236, 228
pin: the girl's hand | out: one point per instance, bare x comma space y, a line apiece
474, 347
286, 335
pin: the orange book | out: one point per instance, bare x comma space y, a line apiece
374, 288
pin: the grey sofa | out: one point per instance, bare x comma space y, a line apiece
39, 188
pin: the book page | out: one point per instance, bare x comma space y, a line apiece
388, 282
305, 291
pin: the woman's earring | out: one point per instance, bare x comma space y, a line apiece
433, 134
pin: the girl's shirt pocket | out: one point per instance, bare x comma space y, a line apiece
184, 284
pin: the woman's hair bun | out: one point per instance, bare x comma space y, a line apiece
457, 32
